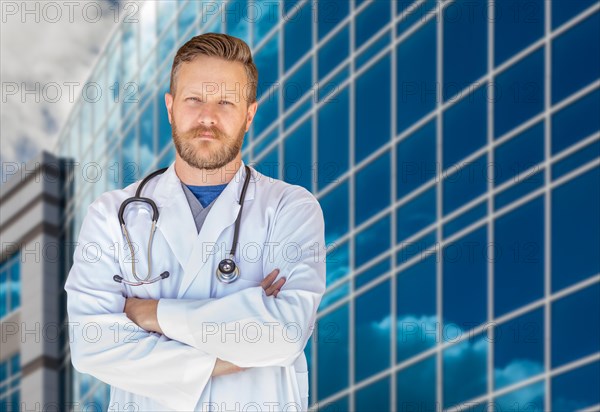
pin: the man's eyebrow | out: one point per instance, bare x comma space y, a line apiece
226, 94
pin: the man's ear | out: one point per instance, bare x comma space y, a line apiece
169, 104
250, 115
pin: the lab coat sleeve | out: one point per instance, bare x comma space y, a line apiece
109, 346
249, 328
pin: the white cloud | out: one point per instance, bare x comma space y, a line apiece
45, 55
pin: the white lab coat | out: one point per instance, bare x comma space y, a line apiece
202, 319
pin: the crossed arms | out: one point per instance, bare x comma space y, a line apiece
182, 359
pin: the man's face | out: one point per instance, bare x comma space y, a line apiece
209, 114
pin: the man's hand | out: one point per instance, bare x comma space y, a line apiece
143, 313
270, 287
225, 368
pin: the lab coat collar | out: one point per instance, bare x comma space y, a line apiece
176, 222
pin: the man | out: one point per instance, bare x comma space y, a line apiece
190, 341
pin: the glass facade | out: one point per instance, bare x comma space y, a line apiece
10, 284
10, 377
455, 149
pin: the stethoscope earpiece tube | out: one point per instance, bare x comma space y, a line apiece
227, 270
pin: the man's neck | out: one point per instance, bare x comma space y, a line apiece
190, 175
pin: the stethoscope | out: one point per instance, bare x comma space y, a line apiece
227, 271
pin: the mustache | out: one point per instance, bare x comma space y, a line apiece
201, 129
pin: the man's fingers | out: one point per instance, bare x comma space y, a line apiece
266, 282
275, 286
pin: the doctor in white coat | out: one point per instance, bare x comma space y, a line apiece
189, 341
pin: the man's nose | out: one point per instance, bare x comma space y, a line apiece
207, 116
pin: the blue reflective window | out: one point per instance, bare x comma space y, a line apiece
372, 191
325, 90
530, 397
524, 185
166, 12
298, 160
519, 93
465, 283
519, 257
265, 141
415, 159
370, 21
465, 370
417, 322
130, 50
334, 52
269, 163
564, 10
187, 15
575, 67
331, 12
373, 330
333, 138
408, 250
465, 127
465, 219
517, 24
166, 45
265, 17
415, 387
332, 296
575, 160
3, 293
362, 278
465, 44
416, 14
298, 39
338, 263
372, 106
297, 85
292, 116
416, 214
365, 56
575, 325
130, 167
374, 397
465, 184
332, 349
576, 230
518, 154
147, 127
335, 206
416, 83
236, 13
519, 349
340, 404
164, 127
267, 62
576, 389
266, 113
372, 241
576, 121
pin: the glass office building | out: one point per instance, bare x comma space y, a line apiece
455, 149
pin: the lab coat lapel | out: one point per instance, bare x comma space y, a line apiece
222, 214
175, 221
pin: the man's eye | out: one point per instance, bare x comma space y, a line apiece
226, 102
193, 98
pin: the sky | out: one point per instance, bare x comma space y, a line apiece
47, 51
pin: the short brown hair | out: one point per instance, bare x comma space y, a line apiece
218, 45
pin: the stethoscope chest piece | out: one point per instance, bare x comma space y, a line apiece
227, 271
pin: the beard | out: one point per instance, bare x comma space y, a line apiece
207, 154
